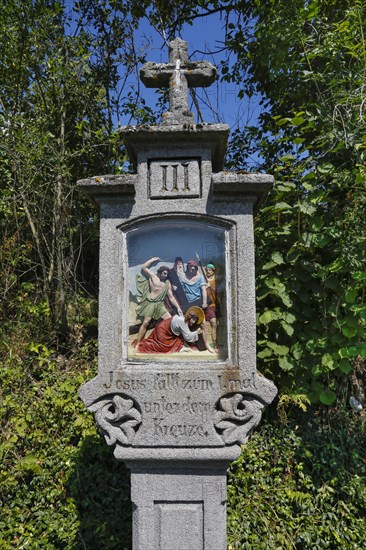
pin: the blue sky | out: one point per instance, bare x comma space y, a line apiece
218, 103
204, 37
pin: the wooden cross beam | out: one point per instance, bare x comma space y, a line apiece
179, 75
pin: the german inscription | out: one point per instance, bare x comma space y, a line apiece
177, 407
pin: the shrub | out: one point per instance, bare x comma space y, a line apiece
300, 486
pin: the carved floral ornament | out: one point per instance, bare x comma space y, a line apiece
118, 418
236, 417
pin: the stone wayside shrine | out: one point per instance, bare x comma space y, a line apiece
177, 391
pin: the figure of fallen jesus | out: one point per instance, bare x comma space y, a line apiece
170, 334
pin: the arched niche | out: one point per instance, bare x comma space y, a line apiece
204, 242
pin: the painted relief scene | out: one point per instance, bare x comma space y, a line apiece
177, 291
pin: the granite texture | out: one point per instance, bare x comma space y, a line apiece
156, 139
201, 408
179, 75
179, 507
177, 423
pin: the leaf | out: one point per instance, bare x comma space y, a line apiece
349, 332
316, 223
321, 240
278, 349
352, 351
327, 360
307, 208
327, 397
288, 317
267, 317
288, 156
21, 427
286, 186
351, 295
297, 120
345, 366
269, 265
281, 206
285, 299
265, 353
297, 350
325, 168
335, 266
286, 363
30, 463
277, 258
358, 308
287, 328
316, 370
282, 121
275, 284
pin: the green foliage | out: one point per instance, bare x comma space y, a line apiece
301, 486
311, 134
63, 74
64, 70
310, 235
60, 486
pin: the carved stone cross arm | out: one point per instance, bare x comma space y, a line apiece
197, 73
179, 75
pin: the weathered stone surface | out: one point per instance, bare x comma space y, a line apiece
177, 408
231, 186
179, 507
177, 419
109, 185
175, 177
179, 74
163, 139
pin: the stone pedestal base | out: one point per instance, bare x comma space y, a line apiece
179, 506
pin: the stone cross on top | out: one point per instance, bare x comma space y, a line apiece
179, 74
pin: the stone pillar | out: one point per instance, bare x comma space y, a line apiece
179, 506
178, 398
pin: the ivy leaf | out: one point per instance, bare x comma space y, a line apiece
278, 349
349, 332
316, 370
297, 120
276, 259
351, 295
265, 353
321, 240
306, 208
325, 168
267, 317
30, 463
282, 206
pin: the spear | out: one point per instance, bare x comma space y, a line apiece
201, 266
